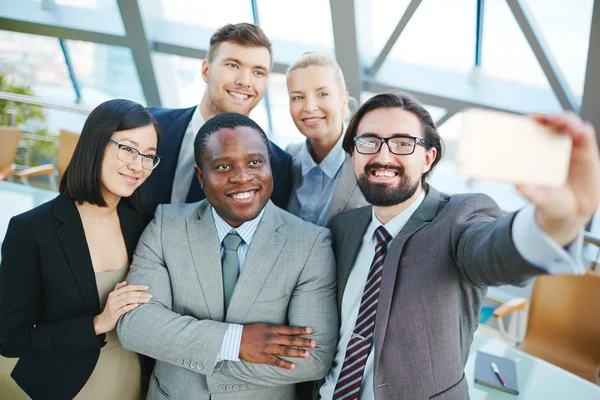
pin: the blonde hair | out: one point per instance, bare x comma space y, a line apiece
320, 59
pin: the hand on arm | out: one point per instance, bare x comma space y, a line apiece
263, 343
563, 212
122, 299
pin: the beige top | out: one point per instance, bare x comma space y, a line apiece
118, 373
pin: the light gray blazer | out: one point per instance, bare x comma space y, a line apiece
288, 278
346, 195
435, 276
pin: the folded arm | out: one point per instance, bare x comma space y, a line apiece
312, 304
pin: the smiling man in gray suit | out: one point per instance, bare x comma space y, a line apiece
227, 276
414, 268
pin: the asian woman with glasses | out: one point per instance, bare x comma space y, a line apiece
62, 287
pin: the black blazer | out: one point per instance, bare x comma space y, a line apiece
48, 297
173, 123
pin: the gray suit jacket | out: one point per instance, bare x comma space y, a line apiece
435, 276
288, 278
346, 195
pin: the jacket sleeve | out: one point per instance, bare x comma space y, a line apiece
484, 250
154, 329
21, 290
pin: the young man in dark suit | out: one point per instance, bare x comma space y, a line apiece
236, 71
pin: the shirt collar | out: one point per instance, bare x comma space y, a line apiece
245, 230
394, 225
330, 165
197, 121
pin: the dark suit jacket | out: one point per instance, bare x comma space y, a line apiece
48, 297
174, 123
435, 276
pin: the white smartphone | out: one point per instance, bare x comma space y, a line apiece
499, 146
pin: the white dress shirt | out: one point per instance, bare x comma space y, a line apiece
230, 348
184, 172
530, 241
353, 294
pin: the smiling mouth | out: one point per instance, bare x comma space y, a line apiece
383, 173
312, 121
130, 179
238, 95
245, 196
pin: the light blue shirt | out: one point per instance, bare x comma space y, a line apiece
312, 198
230, 348
531, 242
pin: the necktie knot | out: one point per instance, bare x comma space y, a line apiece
383, 236
232, 241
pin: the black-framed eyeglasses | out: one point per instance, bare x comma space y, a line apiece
129, 154
398, 145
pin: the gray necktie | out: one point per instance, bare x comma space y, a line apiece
230, 265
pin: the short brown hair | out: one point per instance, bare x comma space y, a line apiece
244, 34
398, 99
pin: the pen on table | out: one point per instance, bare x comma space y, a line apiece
497, 372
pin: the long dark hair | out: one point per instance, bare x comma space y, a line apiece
82, 178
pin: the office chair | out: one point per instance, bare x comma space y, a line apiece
563, 326
9, 142
67, 142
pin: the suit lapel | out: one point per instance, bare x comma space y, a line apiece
344, 188
206, 255
72, 239
294, 151
350, 248
262, 254
173, 124
422, 216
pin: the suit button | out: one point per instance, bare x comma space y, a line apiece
229, 388
186, 363
193, 364
199, 366
179, 361
244, 387
221, 388
236, 387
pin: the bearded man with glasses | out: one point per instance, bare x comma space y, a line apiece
414, 267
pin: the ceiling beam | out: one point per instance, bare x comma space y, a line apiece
408, 13
540, 49
137, 41
343, 20
62, 32
591, 91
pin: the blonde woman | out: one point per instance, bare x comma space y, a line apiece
324, 183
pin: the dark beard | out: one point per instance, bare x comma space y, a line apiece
382, 195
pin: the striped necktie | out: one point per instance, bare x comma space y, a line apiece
359, 345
